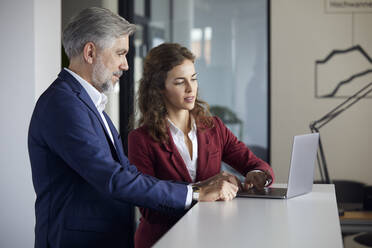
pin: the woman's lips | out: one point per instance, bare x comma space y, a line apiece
189, 99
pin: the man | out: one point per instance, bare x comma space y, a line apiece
84, 184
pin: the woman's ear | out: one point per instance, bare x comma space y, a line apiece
89, 52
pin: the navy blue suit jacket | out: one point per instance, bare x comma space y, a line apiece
85, 186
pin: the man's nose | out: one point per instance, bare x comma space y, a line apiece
124, 65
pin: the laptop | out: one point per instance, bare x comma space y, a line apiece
301, 171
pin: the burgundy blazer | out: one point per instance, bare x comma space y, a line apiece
163, 161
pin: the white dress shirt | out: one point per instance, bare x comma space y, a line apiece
99, 99
179, 140
190, 162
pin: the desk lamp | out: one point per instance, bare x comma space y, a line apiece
317, 124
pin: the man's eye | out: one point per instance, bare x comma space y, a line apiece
194, 79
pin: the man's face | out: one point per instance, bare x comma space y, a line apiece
110, 64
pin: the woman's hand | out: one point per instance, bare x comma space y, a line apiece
257, 179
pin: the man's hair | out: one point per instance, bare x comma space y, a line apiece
97, 25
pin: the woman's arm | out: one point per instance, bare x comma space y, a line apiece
139, 153
237, 154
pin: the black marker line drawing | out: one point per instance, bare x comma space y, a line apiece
346, 81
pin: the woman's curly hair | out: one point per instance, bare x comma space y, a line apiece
158, 62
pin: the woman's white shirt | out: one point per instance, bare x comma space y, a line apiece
179, 140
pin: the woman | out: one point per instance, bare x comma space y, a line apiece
178, 139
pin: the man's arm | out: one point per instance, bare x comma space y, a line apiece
69, 130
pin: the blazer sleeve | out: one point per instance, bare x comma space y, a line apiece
140, 154
237, 154
68, 127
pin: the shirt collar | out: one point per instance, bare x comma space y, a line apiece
99, 99
175, 130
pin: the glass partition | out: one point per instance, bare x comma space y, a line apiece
230, 41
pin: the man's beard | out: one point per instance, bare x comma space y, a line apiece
102, 77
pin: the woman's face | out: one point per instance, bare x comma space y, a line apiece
181, 87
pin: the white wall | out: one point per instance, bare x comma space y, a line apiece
302, 32
22, 49
47, 43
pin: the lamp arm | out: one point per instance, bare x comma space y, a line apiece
316, 125
340, 108
334, 115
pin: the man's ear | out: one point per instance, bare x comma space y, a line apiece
89, 52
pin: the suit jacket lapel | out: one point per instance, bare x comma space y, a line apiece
84, 97
88, 101
82, 94
117, 140
176, 159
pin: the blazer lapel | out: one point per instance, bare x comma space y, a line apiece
117, 140
114, 147
88, 101
204, 151
84, 97
176, 159
82, 94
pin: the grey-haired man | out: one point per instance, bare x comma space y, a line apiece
84, 183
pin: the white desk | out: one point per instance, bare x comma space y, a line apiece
310, 220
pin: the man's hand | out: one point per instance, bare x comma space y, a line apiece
221, 176
256, 179
222, 186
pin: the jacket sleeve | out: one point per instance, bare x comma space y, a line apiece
68, 127
140, 154
237, 154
